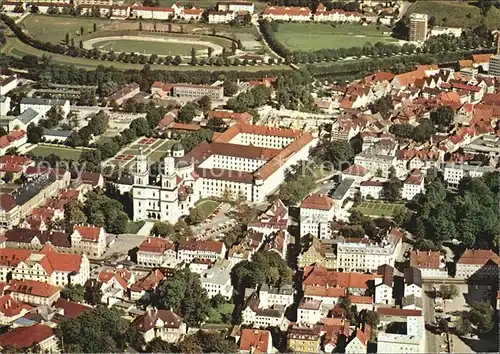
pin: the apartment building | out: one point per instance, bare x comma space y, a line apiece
287, 13
153, 12
126, 92
89, 240
270, 296
26, 337
7, 84
478, 264
255, 340
410, 340
304, 339
189, 250
454, 172
413, 186
156, 251
429, 263
236, 6
418, 27
47, 265
217, 280
33, 292
257, 316
362, 254
221, 16
316, 213
335, 15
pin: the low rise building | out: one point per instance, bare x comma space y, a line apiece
186, 91
156, 251
255, 340
309, 311
287, 13
189, 250
335, 15
153, 12
217, 280
318, 253
384, 286
478, 264
253, 314
11, 310
145, 286
429, 263
372, 189
411, 339
7, 84
126, 92
43, 105
413, 186
282, 296
161, 324
413, 282
25, 338
304, 339
89, 240
359, 342
33, 292
221, 16
454, 172
236, 6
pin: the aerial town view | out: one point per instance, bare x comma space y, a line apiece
267, 176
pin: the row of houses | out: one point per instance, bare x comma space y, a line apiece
304, 14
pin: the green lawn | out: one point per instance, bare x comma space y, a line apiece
207, 206
135, 226
147, 47
54, 28
223, 312
456, 13
63, 152
316, 36
374, 208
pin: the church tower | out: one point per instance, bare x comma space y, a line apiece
169, 194
141, 170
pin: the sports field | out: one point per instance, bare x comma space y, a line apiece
456, 13
316, 36
54, 28
147, 47
61, 151
378, 208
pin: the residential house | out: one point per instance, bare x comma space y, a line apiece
359, 343
189, 250
146, 285
304, 339
217, 280
257, 316
271, 296
413, 282
162, 324
126, 92
287, 13
372, 189
318, 253
384, 286
11, 310
413, 186
309, 311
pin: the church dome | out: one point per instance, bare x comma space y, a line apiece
159, 323
177, 147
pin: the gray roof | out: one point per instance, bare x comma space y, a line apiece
177, 147
44, 101
342, 189
285, 289
468, 168
28, 115
25, 193
59, 133
413, 276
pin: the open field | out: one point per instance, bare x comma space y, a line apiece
378, 208
147, 47
316, 36
61, 151
207, 206
456, 13
54, 28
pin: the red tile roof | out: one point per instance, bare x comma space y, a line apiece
10, 307
320, 276
149, 282
88, 233
156, 245
317, 201
206, 246
53, 260
478, 257
25, 337
427, 259
7, 202
389, 311
324, 291
286, 10
355, 170
32, 287
255, 340
71, 309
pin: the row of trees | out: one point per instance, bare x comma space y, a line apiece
252, 98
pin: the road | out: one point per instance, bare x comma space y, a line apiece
432, 339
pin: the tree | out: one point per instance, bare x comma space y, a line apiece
162, 229
216, 124
196, 216
158, 346
81, 31
194, 60
205, 103
337, 153
449, 291
463, 326
140, 26
481, 315
444, 325
372, 318
66, 40
443, 117
8, 177
95, 331
73, 215
402, 131
230, 87
184, 294
392, 188
94, 27
187, 113
73, 293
